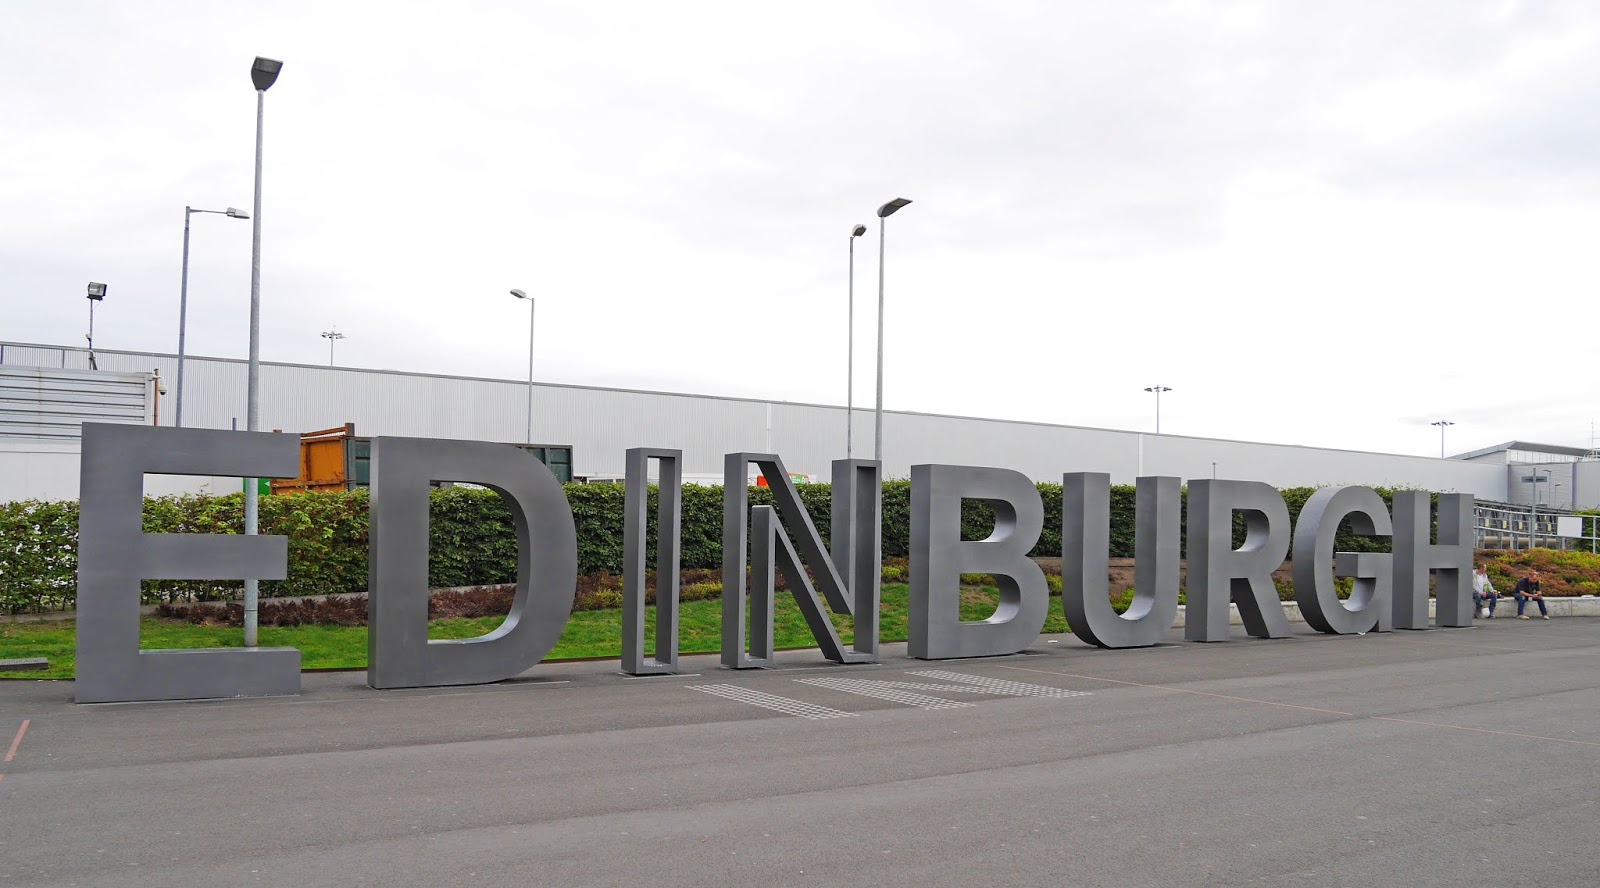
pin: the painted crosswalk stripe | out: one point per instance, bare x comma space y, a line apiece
796, 708
982, 684
892, 691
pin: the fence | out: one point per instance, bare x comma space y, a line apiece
1504, 526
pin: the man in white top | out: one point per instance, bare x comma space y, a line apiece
1483, 594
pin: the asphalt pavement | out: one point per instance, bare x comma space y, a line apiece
1443, 757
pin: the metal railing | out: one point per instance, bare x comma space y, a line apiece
1504, 526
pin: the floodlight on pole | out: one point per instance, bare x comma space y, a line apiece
528, 433
1158, 389
850, 350
884, 212
97, 293
263, 73
1442, 424
183, 296
332, 336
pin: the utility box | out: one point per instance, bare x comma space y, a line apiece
338, 459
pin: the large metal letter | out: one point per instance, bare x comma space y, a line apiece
399, 652
669, 534
1086, 555
939, 557
1218, 571
1370, 606
113, 556
857, 554
1415, 555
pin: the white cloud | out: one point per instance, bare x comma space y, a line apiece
1319, 224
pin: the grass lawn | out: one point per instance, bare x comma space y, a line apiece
588, 634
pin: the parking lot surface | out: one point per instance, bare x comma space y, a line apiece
1444, 757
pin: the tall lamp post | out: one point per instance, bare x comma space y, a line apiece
183, 295
263, 73
528, 435
97, 293
1158, 389
332, 336
1442, 424
850, 360
884, 212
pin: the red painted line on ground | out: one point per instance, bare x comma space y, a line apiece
12, 752
1408, 721
1412, 721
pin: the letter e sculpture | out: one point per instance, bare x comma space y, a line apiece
113, 556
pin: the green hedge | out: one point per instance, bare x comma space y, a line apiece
470, 533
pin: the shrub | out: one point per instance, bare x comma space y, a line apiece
472, 539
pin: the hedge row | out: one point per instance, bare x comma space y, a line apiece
471, 536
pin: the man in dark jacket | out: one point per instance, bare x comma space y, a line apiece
1526, 590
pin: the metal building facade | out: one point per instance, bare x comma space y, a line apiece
601, 423
51, 404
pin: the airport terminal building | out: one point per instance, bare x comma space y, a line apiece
48, 391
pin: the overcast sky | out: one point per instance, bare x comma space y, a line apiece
1319, 223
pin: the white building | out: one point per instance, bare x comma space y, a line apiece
46, 391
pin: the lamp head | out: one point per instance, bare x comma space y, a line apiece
858, 231
519, 294
97, 292
236, 213
889, 208
264, 73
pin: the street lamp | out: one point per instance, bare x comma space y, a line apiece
884, 212
183, 295
97, 293
528, 435
332, 336
1442, 424
850, 360
1158, 389
263, 73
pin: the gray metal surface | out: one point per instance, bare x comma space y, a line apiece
399, 652
114, 555
669, 542
1370, 606
51, 405
747, 641
1086, 558
1217, 571
1415, 554
939, 557
856, 534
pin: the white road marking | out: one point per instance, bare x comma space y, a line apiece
986, 685
893, 691
796, 708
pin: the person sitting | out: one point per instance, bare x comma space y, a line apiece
1526, 590
1483, 594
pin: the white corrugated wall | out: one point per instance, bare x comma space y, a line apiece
600, 424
